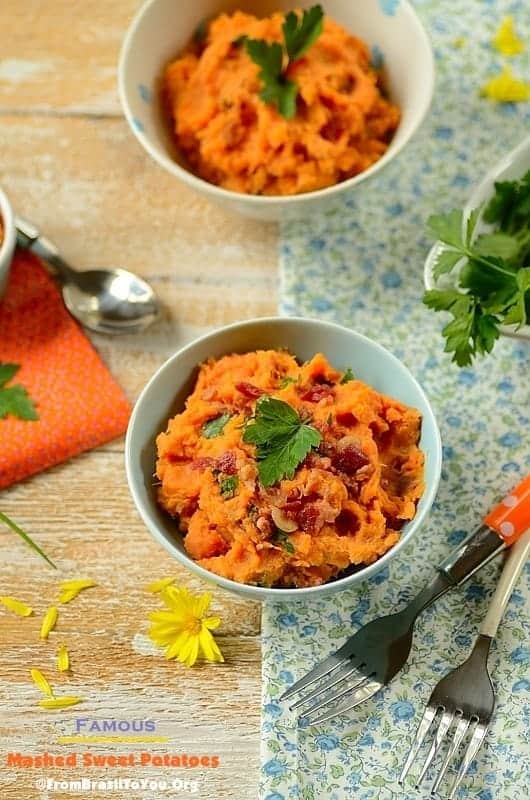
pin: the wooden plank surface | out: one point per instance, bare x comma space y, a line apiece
70, 165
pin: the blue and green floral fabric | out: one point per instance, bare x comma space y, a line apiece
361, 265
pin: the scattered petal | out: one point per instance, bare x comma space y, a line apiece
41, 683
157, 586
49, 622
506, 40
459, 42
16, 606
63, 659
70, 589
60, 702
505, 88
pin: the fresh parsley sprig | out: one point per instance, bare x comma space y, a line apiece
299, 33
282, 439
14, 400
492, 271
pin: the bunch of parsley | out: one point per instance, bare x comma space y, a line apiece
299, 33
491, 271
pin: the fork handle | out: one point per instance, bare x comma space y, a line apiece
513, 567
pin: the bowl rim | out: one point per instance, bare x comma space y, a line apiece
478, 195
270, 200
260, 592
8, 221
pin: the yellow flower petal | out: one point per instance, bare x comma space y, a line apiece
459, 42
60, 702
176, 646
63, 659
209, 646
40, 682
201, 604
211, 623
49, 621
157, 586
16, 606
189, 651
506, 40
70, 589
505, 88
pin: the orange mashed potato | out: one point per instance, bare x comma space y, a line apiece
230, 137
344, 506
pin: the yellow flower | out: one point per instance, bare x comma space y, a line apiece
16, 606
183, 629
505, 88
70, 589
506, 40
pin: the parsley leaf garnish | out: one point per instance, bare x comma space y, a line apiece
282, 440
281, 538
299, 34
287, 380
348, 376
228, 485
215, 427
14, 400
492, 270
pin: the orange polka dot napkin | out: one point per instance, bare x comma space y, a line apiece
80, 405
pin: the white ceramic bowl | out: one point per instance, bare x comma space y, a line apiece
7, 247
166, 392
163, 27
512, 166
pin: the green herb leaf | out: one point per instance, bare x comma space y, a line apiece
287, 380
445, 261
282, 440
14, 400
348, 376
300, 33
26, 537
228, 485
215, 427
281, 537
447, 228
497, 244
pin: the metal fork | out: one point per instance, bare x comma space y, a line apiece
376, 653
463, 701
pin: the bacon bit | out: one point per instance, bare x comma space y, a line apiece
249, 390
349, 458
394, 523
347, 419
308, 517
202, 463
227, 463
316, 394
347, 523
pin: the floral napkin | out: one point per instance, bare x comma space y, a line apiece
361, 265
78, 403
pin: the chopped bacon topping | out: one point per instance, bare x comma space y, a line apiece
348, 457
202, 463
249, 390
316, 393
227, 463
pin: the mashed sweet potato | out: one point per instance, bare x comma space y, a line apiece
230, 137
345, 503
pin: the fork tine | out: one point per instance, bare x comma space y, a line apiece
334, 697
338, 675
360, 695
422, 731
443, 727
479, 734
320, 671
460, 732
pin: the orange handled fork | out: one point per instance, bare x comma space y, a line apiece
377, 652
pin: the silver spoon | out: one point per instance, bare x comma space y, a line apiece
106, 301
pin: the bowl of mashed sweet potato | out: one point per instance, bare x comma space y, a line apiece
283, 457
200, 101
